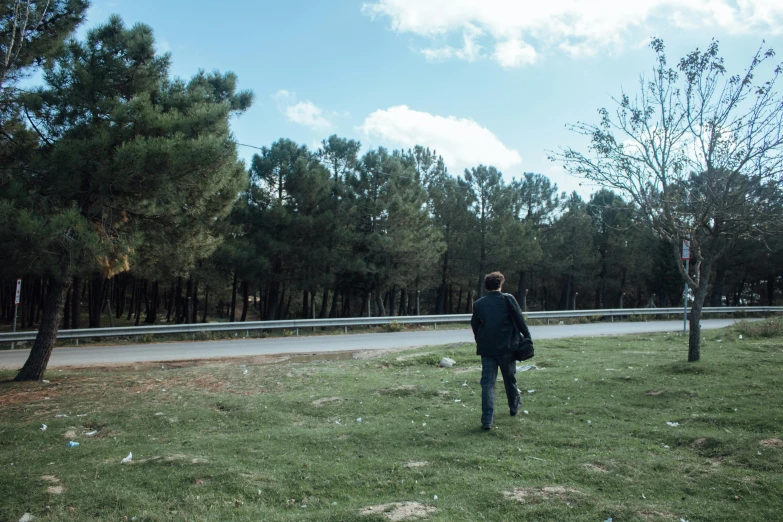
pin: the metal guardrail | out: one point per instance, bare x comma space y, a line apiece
295, 324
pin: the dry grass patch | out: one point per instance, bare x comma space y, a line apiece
397, 390
176, 457
597, 468
56, 488
772, 443
656, 515
326, 400
396, 511
544, 493
416, 463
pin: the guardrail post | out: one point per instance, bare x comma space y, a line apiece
435, 325
346, 328
297, 332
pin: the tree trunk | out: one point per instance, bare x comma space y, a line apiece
67, 310
324, 303
244, 301
206, 304
179, 310
393, 300
232, 311
95, 300
189, 301
196, 303
403, 301
379, 305
699, 295
154, 301
305, 303
35, 366
334, 310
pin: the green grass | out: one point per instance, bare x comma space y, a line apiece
215, 443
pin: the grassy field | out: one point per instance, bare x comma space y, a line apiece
389, 437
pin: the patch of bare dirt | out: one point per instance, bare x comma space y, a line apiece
772, 443
700, 442
597, 468
396, 511
416, 464
468, 369
176, 457
656, 515
402, 388
70, 434
56, 488
326, 400
545, 493
413, 356
654, 393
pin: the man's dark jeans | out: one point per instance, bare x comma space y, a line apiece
489, 374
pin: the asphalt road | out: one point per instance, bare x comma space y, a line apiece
178, 351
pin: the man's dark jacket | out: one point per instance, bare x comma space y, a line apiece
493, 324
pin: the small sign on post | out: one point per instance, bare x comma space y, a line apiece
17, 300
686, 256
686, 249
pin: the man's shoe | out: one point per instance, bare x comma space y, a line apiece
514, 413
486, 428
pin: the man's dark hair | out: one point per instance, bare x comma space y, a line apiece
493, 281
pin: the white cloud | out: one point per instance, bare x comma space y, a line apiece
519, 30
304, 112
462, 142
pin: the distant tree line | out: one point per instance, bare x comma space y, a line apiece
123, 201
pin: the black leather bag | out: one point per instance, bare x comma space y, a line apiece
524, 348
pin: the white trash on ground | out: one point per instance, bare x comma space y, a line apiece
91, 433
127, 459
672, 424
27, 517
447, 362
43, 427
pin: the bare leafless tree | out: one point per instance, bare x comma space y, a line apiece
699, 153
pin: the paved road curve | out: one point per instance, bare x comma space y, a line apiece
132, 353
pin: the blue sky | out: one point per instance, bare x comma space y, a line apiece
480, 81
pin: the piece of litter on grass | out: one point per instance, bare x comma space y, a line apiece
465, 383
60, 416
359, 419
645, 498
245, 372
524, 411
127, 459
759, 453
27, 517
457, 400
525, 367
334, 503
665, 446
45, 381
740, 336
259, 491
91, 433
608, 519
435, 497
531, 391
589, 421
673, 424
423, 423
576, 380
719, 341
43, 427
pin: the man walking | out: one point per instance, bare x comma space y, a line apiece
495, 322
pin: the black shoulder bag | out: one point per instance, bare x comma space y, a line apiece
524, 348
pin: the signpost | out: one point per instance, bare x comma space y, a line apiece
686, 256
16, 304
